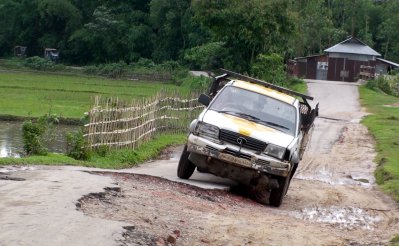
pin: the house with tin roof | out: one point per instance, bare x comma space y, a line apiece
348, 60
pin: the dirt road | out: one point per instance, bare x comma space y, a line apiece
333, 199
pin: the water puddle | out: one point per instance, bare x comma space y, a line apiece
11, 143
348, 218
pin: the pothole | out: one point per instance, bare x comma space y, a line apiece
133, 236
105, 197
348, 218
6, 177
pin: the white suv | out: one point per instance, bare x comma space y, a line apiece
252, 132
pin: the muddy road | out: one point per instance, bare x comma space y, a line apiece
333, 199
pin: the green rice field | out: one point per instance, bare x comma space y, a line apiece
35, 94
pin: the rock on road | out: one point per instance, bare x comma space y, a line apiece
333, 199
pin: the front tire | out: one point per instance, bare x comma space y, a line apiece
185, 168
277, 195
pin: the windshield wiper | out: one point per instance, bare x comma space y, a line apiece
240, 114
249, 116
275, 124
229, 112
253, 118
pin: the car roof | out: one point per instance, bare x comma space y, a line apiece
264, 91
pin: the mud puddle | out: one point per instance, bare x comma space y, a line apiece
341, 217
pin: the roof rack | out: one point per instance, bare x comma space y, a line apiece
264, 83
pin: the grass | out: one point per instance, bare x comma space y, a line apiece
395, 240
33, 94
383, 124
298, 85
112, 160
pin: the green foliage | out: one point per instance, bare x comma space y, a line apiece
200, 83
34, 134
77, 146
39, 63
203, 34
247, 28
206, 57
387, 84
125, 158
395, 240
113, 159
269, 68
111, 70
102, 151
383, 124
297, 84
49, 159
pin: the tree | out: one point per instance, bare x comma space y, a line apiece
269, 68
247, 28
8, 14
166, 19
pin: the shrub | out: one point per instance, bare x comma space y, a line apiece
206, 57
387, 84
196, 82
77, 146
269, 68
32, 137
112, 70
102, 150
39, 63
36, 134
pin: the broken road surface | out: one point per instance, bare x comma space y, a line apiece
333, 199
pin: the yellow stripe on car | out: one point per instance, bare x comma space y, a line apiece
264, 91
246, 127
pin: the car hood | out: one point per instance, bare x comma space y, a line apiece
247, 128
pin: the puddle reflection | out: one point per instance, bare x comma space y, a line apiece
11, 143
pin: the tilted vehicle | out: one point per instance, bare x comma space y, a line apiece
252, 132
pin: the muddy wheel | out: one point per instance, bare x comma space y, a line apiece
186, 167
277, 195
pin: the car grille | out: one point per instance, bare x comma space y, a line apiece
237, 154
231, 137
262, 162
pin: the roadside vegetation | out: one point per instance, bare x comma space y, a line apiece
115, 159
383, 124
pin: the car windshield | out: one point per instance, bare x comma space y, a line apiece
256, 107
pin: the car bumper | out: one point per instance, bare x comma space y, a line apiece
232, 154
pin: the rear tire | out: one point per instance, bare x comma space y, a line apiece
277, 195
186, 167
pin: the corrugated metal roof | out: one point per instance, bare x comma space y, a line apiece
352, 46
388, 62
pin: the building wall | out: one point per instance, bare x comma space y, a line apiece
344, 69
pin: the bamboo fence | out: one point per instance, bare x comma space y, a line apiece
116, 124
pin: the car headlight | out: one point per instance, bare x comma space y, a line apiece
207, 130
275, 151
193, 126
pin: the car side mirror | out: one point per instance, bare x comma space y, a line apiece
204, 100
